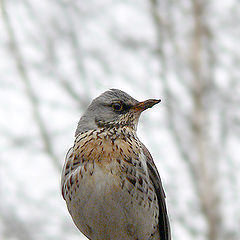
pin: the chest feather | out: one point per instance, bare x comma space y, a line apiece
103, 148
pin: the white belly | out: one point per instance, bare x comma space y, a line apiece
102, 210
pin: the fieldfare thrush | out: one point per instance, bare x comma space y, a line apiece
110, 183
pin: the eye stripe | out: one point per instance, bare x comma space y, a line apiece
124, 107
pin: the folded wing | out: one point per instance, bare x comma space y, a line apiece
164, 225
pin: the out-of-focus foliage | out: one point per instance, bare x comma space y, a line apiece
57, 55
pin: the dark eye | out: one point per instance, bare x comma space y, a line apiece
117, 106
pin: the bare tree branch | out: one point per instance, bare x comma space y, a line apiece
29, 90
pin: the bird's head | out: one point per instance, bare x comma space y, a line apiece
113, 108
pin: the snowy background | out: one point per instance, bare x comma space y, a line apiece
56, 55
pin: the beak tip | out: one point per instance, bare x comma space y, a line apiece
156, 101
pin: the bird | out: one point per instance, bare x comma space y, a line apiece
109, 181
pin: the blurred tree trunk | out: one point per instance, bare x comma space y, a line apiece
198, 153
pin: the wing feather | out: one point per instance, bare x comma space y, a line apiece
163, 221
66, 170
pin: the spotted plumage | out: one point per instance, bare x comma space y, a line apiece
109, 181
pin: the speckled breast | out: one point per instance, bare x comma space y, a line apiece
107, 188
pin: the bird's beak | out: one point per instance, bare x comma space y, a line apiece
141, 106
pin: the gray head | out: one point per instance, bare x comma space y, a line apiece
113, 108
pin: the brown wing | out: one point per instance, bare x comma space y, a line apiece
163, 221
66, 171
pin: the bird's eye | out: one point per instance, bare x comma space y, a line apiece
117, 106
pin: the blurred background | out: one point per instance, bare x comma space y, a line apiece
56, 55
